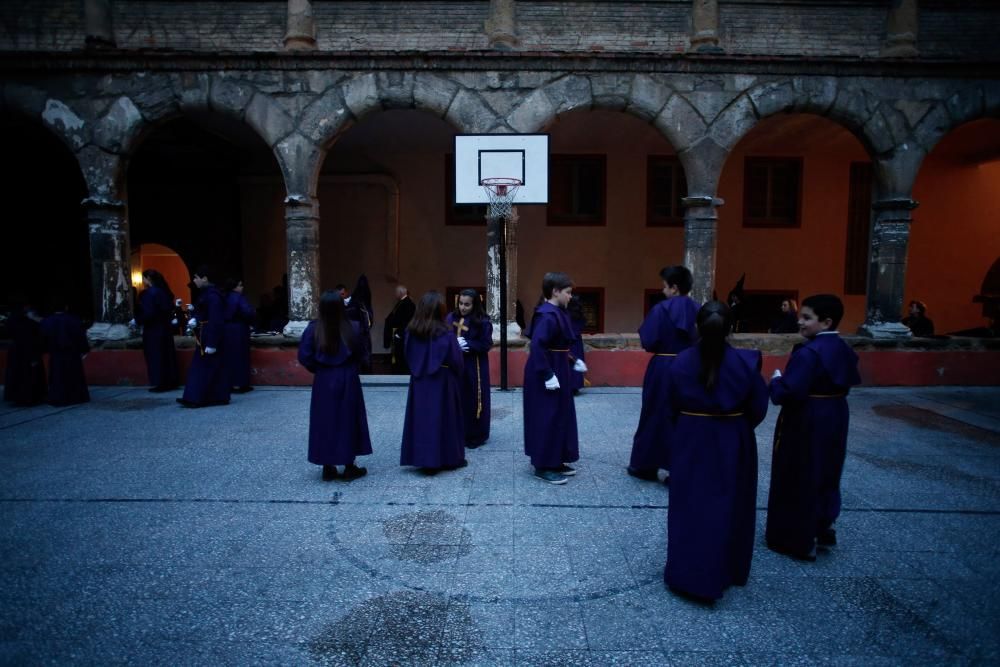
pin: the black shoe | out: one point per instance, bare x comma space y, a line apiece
159, 390
827, 538
566, 470
648, 475
809, 556
242, 390
550, 476
353, 472
329, 473
461, 464
474, 444
184, 403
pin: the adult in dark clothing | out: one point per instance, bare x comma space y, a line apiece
239, 316
810, 437
65, 340
550, 433
737, 309
207, 380
716, 398
917, 321
279, 308
395, 328
433, 431
24, 380
338, 425
156, 316
788, 322
474, 333
358, 306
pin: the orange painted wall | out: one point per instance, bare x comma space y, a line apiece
167, 262
955, 236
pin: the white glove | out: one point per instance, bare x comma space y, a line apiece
464, 344
174, 321
579, 366
192, 322
776, 374
552, 383
131, 323
210, 350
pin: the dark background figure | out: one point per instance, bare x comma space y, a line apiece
24, 381
359, 309
239, 316
395, 327
279, 308
576, 316
917, 321
207, 381
65, 339
338, 424
519, 315
474, 333
433, 429
716, 398
155, 314
737, 309
179, 318
788, 321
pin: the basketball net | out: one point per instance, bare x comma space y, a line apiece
501, 192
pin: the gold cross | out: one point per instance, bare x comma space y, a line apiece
460, 327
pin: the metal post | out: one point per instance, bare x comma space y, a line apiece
503, 302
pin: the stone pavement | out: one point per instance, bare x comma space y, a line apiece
132, 531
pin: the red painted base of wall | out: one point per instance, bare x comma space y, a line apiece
608, 368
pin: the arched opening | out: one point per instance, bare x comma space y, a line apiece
796, 220
955, 234
167, 262
385, 209
210, 189
614, 217
45, 253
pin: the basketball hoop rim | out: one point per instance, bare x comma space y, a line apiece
496, 182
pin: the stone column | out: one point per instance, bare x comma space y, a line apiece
110, 270
97, 23
705, 27
302, 233
300, 33
513, 330
493, 276
501, 26
887, 268
700, 232
901, 30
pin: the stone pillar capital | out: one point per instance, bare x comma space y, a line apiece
705, 27
901, 30
99, 33
300, 31
895, 204
501, 26
702, 202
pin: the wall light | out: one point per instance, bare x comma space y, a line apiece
136, 278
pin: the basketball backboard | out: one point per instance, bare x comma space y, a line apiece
524, 157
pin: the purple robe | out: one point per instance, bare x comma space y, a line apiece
550, 436
810, 442
668, 329
475, 377
239, 316
24, 382
64, 338
207, 380
338, 423
433, 432
713, 472
154, 314
576, 351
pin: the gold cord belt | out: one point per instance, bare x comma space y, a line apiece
827, 395
712, 414
566, 350
665, 354
479, 389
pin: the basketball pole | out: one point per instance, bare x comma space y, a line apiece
502, 224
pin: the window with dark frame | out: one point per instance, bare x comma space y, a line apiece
666, 186
772, 192
592, 304
472, 215
859, 217
576, 190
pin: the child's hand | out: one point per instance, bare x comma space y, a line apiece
464, 344
210, 350
579, 366
776, 374
552, 383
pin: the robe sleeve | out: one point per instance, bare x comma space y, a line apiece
793, 386
211, 335
307, 349
756, 408
543, 327
146, 311
650, 330
483, 340
455, 362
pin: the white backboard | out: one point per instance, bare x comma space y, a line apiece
521, 156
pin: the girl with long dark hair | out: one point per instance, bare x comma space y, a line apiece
474, 333
433, 429
331, 350
156, 314
717, 398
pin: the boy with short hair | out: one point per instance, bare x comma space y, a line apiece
668, 329
810, 438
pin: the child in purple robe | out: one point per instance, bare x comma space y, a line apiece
331, 349
65, 339
474, 333
810, 438
156, 316
433, 430
207, 380
24, 381
668, 329
239, 316
550, 435
717, 397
